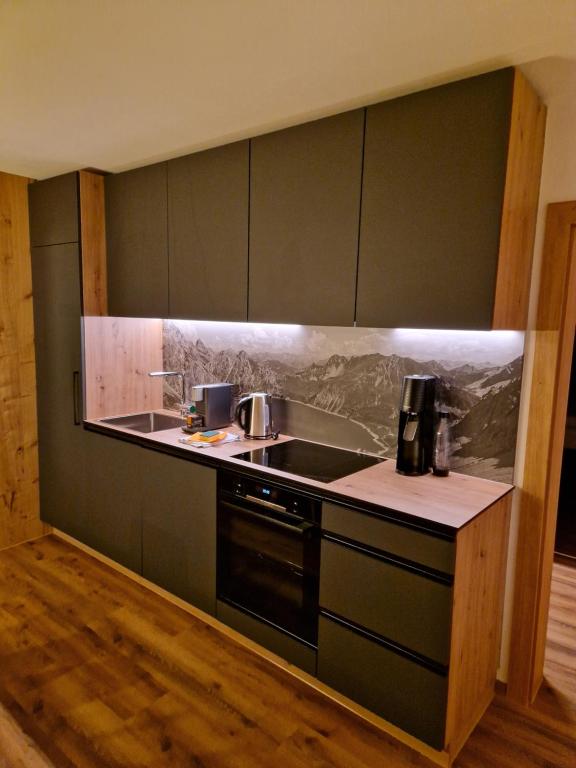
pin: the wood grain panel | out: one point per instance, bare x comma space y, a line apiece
120, 675
118, 354
520, 207
433, 755
93, 243
102, 672
476, 620
19, 505
553, 345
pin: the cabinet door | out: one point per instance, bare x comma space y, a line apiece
56, 290
54, 210
113, 495
432, 194
137, 242
304, 211
208, 234
179, 527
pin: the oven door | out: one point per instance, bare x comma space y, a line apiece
268, 566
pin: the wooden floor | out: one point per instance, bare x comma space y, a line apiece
98, 672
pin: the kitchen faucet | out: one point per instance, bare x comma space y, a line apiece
174, 373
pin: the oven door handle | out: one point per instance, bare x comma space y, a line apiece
301, 529
267, 504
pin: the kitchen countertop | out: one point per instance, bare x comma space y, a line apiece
442, 503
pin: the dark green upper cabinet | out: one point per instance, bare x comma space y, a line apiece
415, 212
208, 234
137, 242
304, 208
432, 200
54, 210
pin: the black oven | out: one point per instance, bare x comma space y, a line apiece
269, 553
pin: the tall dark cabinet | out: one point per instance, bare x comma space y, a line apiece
304, 208
88, 483
56, 288
137, 242
57, 323
208, 234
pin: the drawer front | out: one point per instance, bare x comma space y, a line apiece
409, 543
402, 606
394, 687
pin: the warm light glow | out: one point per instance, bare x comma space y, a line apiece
241, 326
504, 335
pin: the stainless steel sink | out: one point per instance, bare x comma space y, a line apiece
145, 422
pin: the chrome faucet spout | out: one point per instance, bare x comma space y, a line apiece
173, 373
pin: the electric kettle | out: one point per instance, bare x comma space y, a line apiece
254, 416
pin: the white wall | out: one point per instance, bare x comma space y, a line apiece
555, 81
114, 85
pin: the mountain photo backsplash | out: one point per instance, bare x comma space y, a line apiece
342, 386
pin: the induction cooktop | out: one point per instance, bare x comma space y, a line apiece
317, 462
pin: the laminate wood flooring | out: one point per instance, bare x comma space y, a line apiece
96, 671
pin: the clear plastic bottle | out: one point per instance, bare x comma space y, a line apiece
442, 446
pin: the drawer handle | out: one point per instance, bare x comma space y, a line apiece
395, 560
417, 658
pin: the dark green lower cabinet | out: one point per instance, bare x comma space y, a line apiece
113, 478
179, 527
400, 690
395, 601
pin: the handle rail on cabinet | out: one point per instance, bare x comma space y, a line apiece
76, 397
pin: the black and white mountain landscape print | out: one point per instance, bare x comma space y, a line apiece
342, 385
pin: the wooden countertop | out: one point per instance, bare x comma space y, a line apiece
445, 502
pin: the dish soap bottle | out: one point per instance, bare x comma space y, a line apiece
441, 454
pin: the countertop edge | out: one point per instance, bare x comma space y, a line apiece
325, 493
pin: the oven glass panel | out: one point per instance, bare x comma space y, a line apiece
268, 565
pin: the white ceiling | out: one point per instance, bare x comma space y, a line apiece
114, 84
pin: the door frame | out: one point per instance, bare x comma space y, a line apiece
538, 508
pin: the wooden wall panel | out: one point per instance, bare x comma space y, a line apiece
553, 346
476, 620
19, 505
520, 207
118, 354
93, 243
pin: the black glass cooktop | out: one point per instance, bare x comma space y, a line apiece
318, 462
